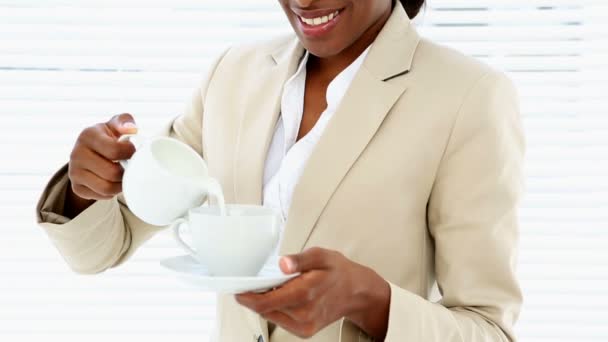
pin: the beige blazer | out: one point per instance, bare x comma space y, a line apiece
418, 176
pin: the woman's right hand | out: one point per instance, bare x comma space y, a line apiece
93, 171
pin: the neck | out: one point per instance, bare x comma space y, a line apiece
331, 66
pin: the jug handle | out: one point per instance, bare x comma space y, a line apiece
134, 140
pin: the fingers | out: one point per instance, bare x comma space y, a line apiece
99, 139
304, 314
295, 293
105, 169
122, 124
315, 264
93, 172
311, 259
301, 321
310, 301
85, 192
301, 329
88, 185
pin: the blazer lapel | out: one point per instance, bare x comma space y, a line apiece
259, 121
374, 90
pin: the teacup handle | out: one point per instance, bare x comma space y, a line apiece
134, 138
175, 228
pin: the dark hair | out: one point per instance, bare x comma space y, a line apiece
412, 7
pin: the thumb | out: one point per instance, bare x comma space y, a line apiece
122, 124
311, 259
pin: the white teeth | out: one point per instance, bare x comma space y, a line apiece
320, 20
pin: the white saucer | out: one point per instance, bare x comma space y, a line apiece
192, 272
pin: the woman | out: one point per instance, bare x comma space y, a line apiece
397, 162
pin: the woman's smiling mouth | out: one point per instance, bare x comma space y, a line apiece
319, 20
315, 24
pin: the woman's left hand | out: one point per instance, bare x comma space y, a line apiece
330, 287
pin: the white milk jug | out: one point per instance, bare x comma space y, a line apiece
164, 179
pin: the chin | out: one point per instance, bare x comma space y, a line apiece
322, 49
322, 52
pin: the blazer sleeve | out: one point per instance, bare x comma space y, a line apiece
107, 233
472, 217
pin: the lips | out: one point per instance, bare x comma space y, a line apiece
317, 23
309, 13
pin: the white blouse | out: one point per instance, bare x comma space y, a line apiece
287, 158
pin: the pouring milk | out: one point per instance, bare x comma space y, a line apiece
165, 178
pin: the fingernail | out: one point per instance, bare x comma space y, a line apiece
289, 264
129, 125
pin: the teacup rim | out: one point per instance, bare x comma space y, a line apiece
263, 211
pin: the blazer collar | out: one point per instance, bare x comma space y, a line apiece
392, 53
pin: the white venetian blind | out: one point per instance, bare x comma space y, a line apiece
67, 64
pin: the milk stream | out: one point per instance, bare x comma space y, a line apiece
213, 188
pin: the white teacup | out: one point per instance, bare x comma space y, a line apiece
236, 245
164, 179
